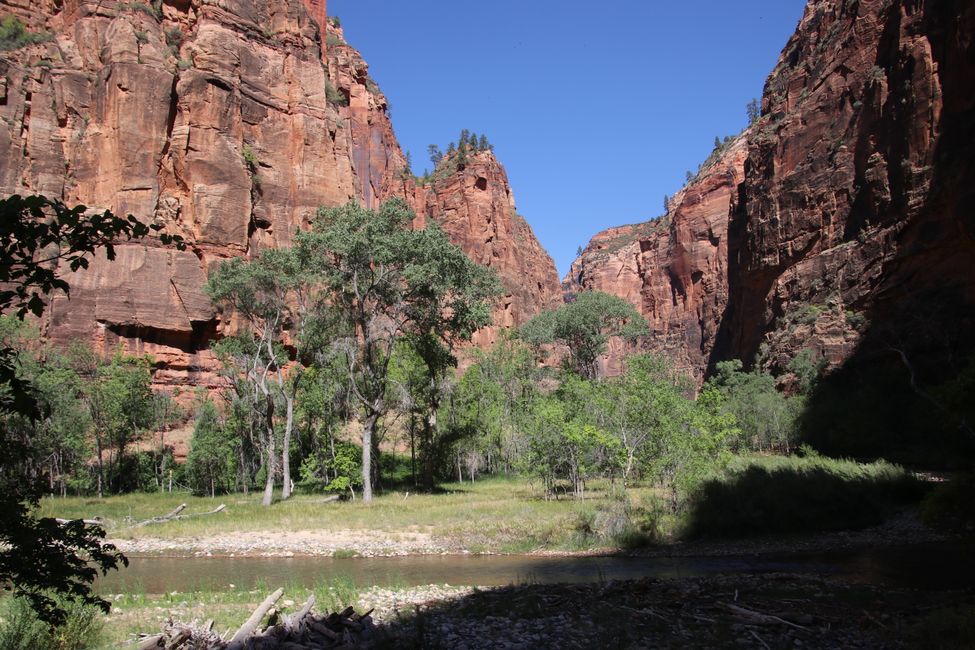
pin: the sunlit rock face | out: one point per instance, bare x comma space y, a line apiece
230, 123
673, 269
843, 213
475, 206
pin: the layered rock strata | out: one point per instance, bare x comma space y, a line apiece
842, 215
475, 206
228, 123
673, 269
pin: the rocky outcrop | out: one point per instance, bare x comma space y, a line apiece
475, 206
673, 269
845, 210
230, 123
857, 202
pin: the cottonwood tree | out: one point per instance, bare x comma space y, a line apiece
120, 401
585, 326
448, 299
211, 458
274, 294
389, 282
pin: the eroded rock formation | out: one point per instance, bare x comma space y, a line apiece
673, 269
844, 214
476, 208
230, 123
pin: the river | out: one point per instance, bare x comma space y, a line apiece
943, 565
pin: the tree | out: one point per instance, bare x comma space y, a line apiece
766, 418
211, 459
435, 154
276, 297
121, 404
389, 282
666, 204
717, 143
585, 325
448, 300
38, 239
483, 144
753, 110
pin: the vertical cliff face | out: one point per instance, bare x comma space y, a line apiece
841, 221
228, 123
476, 208
672, 269
857, 211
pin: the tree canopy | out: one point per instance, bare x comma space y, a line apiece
585, 325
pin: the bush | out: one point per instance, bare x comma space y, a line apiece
786, 495
14, 34
335, 96
21, 629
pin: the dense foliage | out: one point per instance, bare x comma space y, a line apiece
43, 558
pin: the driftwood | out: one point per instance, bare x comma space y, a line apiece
760, 617
245, 630
302, 630
88, 522
175, 515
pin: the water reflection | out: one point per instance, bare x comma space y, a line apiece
944, 565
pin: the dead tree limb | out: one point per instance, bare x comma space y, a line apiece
760, 617
240, 637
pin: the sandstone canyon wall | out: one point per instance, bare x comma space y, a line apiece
850, 196
673, 269
230, 123
475, 206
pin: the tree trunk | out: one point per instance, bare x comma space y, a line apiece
101, 471
269, 482
413, 448
286, 449
367, 430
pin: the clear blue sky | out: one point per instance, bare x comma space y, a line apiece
596, 110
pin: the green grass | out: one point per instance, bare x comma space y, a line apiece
762, 495
137, 612
495, 515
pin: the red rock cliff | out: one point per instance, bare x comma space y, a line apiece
672, 269
222, 121
846, 210
476, 208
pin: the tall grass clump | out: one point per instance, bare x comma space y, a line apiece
21, 629
793, 494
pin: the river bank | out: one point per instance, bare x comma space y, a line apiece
770, 610
901, 529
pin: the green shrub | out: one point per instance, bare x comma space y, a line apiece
790, 494
14, 34
21, 629
334, 95
174, 37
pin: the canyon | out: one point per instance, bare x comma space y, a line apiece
838, 224
837, 228
230, 124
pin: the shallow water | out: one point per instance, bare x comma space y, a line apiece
941, 566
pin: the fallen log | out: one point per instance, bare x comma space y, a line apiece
296, 622
303, 630
87, 522
240, 637
760, 617
151, 642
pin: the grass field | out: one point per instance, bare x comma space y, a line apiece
506, 515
